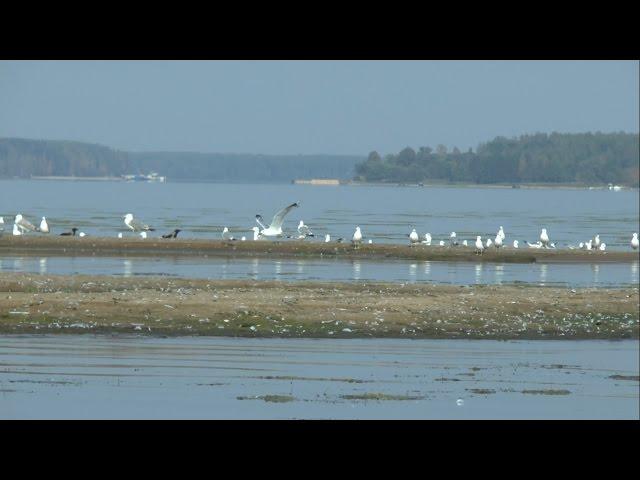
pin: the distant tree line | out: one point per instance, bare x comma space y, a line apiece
585, 158
25, 158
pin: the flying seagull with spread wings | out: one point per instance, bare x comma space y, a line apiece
275, 229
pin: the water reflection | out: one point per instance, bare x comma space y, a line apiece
413, 270
634, 272
595, 268
478, 273
278, 268
499, 273
356, 270
543, 273
43, 266
427, 269
127, 267
254, 267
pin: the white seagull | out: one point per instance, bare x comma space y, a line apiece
544, 238
441, 243
327, 238
603, 246
427, 239
275, 228
357, 237
413, 237
135, 225
44, 226
489, 242
304, 231
453, 239
16, 230
515, 244
501, 232
479, 245
634, 241
226, 235
498, 241
24, 224
256, 233
464, 243
142, 234
534, 245
596, 241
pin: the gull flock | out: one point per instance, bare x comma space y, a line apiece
274, 230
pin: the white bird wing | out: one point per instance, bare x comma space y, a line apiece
26, 224
278, 218
138, 225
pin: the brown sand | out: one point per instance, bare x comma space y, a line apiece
159, 306
102, 246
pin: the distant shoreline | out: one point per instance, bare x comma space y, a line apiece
528, 186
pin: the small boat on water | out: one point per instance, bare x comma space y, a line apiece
152, 177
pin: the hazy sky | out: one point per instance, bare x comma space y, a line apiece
288, 107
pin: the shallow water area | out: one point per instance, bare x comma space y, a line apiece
334, 269
86, 376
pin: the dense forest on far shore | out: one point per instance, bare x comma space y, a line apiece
24, 158
584, 158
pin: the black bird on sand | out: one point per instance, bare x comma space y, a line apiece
72, 233
173, 234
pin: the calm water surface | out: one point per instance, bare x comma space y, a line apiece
385, 213
76, 376
332, 269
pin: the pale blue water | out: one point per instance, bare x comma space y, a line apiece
76, 377
333, 269
385, 213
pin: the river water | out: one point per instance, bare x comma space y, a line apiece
334, 269
385, 213
85, 376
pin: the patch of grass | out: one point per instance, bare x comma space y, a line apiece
269, 398
633, 378
546, 392
320, 379
482, 391
380, 396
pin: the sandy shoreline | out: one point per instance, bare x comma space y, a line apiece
159, 306
102, 246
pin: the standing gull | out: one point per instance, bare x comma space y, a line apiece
596, 242
304, 231
135, 225
357, 237
44, 226
634, 241
427, 239
226, 235
327, 238
453, 238
16, 230
544, 238
23, 224
413, 237
498, 241
479, 245
275, 228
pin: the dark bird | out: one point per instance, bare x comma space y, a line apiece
173, 234
72, 233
